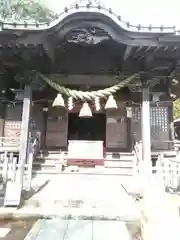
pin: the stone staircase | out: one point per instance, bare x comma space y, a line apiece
2, 194
51, 162
121, 163
48, 162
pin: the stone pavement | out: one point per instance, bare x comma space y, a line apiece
10, 230
160, 214
85, 195
59, 229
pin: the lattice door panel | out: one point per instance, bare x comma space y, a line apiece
12, 125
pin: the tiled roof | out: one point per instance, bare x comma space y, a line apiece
95, 8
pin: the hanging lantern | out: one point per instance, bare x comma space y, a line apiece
97, 103
58, 101
111, 103
85, 111
70, 103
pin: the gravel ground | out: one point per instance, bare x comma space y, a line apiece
10, 230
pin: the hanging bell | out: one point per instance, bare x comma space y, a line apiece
58, 101
111, 103
85, 111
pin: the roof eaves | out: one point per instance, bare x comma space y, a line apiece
32, 26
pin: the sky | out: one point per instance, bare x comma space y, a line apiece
155, 12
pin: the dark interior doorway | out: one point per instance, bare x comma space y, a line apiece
92, 129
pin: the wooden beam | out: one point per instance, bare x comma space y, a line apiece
49, 50
127, 52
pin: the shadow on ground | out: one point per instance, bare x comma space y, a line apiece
26, 195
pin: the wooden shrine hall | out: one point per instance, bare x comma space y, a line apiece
87, 76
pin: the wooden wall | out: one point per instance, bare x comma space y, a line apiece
53, 126
57, 127
116, 129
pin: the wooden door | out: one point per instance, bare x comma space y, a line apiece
116, 130
57, 127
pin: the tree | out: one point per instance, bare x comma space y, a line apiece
176, 109
25, 10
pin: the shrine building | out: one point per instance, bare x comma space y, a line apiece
88, 82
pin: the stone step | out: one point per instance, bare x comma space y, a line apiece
46, 163
51, 157
121, 171
123, 158
110, 167
120, 163
106, 171
47, 168
2, 195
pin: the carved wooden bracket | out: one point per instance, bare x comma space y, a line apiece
30, 77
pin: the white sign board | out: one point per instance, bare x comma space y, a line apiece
85, 150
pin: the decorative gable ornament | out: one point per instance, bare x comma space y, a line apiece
88, 2
156, 96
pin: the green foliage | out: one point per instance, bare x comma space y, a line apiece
25, 10
176, 109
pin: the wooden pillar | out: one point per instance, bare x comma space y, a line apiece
2, 119
171, 126
24, 138
45, 117
146, 126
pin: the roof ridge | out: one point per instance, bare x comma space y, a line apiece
27, 25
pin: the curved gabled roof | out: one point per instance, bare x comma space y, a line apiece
87, 9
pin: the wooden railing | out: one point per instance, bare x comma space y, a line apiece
9, 162
8, 166
33, 149
171, 144
9, 141
138, 155
167, 167
167, 170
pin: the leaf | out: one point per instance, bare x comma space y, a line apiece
25, 10
176, 109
